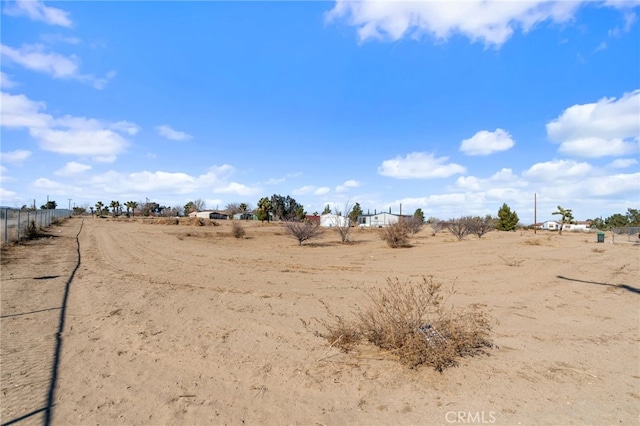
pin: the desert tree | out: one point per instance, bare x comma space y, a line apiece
327, 209
49, 205
481, 225
115, 206
131, 206
303, 231
414, 223
341, 224
284, 207
507, 219
436, 225
355, 212
566, 217
264, 209
633, 217
459, 228
300, 213
232, 209
99, 208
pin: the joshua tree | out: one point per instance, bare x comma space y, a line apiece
131, 205
115, 206
99, 207
567, 217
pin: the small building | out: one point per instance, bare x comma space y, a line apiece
330, 220
378, 220
210, 214
313, 218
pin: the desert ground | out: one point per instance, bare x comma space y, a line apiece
115, 321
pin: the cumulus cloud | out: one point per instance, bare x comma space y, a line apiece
37, 11
419, 165
34, 57
555, 170
69, 135
501, 179
72, 168
485, 142
215, 180
323, 190
171, 134
608, 127
15, 157
491, 22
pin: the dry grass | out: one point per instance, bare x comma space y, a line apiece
598, 250
412, 322
511, 261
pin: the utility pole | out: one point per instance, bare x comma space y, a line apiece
69, 203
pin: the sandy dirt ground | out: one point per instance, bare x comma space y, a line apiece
186, 325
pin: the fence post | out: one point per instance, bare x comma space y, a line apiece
18, 228
6, 229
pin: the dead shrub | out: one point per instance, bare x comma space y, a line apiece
237, 230
31, 231
396, 235
511, 261
412, 322
303, 231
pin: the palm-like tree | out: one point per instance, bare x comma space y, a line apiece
99, 207
115, 206
567, 217
131, 205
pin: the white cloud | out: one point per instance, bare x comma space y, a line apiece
485, 142
236, 188
346, 185
303, 190
623, 163
37, 11
609, 127
72, 168
66, 135
59, 38
171, 134
556, 170
6, 195
35, 58
6, 82
215, 180
323, 190
492, 22
503, 178
15, 157
419, 165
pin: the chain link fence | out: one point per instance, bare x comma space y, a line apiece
16, 224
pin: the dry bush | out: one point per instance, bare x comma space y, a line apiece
598, 250
412, 322
414, 224
396, 235
303, 231
31, 231
237, 230
458, 227
533, 242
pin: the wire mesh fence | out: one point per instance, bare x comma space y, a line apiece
16, 224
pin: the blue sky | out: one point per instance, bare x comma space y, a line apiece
454, 108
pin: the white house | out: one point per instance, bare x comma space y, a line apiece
329, 220
552, 225
378, 220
